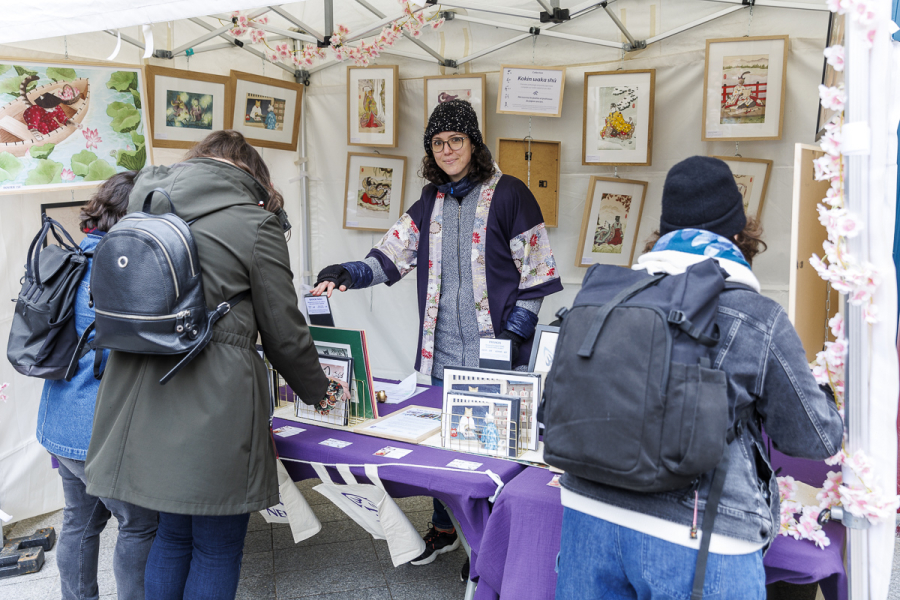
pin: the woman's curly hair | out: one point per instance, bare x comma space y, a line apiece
481, 169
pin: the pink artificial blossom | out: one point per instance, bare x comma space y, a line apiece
257, 36
3, 397
283, 50
273, 57
831, 143
870, 313
835, 57
67, 175
787, 487
91, 137
837, 325
832, 97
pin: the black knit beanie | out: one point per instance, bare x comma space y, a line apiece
455, 115
700, 193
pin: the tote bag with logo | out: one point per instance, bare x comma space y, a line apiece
293, 509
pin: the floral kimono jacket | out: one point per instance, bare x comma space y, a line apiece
511, 258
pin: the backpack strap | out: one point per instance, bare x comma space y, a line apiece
149, 199
80, 350
587, 348
709, 519
676, 317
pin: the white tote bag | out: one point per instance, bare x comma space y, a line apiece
373, 509
293, 509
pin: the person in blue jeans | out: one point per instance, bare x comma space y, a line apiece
618, 544
64, 425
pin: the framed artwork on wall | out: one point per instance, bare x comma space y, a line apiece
186, 106
752, 178
745, 82
536, 163
372, 106
612, 216
265, 110
69, 125
443, 88
531, 91
373, 192
618, 117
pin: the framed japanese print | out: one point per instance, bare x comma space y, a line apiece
531, 91
265, 110
373, 192
69, 125
752, 178
186, 106
609, 227
745, 82
372, 100
443, 88
618, 117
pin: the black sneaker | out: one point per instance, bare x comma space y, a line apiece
464, 572
436, 542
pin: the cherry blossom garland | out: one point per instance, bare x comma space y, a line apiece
3, 397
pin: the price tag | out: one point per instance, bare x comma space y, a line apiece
495, 354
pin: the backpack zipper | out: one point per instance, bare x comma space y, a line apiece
183, 240
166, 254
179, 315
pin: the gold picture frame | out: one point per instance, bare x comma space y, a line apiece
616, 200
179, 113
384, 106
747, 174
543, 166
375, 178
251, 92
616, 105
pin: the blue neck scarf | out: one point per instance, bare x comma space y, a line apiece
702, 243
458, 189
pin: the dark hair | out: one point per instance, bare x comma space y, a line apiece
230, 145
480, 169
749, 240
108, 204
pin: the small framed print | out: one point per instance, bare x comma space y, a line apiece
481, 423
618, 117
543, 348
372, 106
373, 193
745, 83
443, 88
531, 91
186, 106
266, 110
752, 178
337, 368
609, 227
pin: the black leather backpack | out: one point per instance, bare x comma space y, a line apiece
147, 290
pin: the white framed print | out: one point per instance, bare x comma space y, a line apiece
531, 91
373, 192
372, 106
609, 227
266, 110
745, 82
618, 117
752, 178
186, 106
443, 88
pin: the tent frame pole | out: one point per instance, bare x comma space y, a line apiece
406, 34
777, 4
693, 24
297, 22
286, 33
534, 30
252, 51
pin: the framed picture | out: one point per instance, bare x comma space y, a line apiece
535, 162
67, 214
543, 348
71, 124
609, 227
830, 77
745, 82
413, 424
372, 106
265, 110
443, 88
373, 192
618, 117
531, 91
752, 178
481, 423
186, 106
334, 367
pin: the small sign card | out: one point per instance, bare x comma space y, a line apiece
468, 465
287, 431
495, 354
531, 91
334, 443
391, 452
319, 310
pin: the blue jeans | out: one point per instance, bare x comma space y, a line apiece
440, 518
598, 559
77, 552
196, 557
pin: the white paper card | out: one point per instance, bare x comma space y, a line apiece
468, 465
317, 305
391, 452
494, 349
530, 90
287, 431
398, 392
334, 443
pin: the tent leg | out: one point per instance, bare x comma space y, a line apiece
470, 585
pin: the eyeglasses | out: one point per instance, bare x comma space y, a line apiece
455, 143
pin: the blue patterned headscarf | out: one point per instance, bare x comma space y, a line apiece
702, 243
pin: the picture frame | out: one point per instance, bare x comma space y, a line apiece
94, 124
373, 100
479, 423
830, 77
531, 91
413, 424
67, 214
752, 177
186, 106
470, 87
371, 201
537, 162
278, 128
612, 220
334, 367
617, 122
543, 348
745, 80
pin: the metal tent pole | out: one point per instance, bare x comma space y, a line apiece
535, 30
297, 22
777, 4
693, 24
243, 47
406, 34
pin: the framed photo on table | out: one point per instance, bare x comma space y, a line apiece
612, 216
443, 88
752, 178
618, 117
531, 91
543, 349
745, 83
373, 192
266, 110
372, 106
186, 106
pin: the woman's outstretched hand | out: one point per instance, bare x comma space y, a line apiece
332, 276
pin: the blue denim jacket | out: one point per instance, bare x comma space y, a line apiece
66, 414
766, 367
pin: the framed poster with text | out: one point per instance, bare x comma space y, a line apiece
531, 91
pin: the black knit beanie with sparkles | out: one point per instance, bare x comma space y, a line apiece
700, 193
455, 115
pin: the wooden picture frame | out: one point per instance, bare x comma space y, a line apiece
617, 122
364, 201
752, 177
608, 200
544, 165
830, 77
531, 91
105, 131
175, 98
377, 126
471, 87
278, 128
738, 97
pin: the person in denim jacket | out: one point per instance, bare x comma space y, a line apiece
619, 544
65, 420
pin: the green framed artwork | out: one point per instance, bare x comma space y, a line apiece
363, 404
